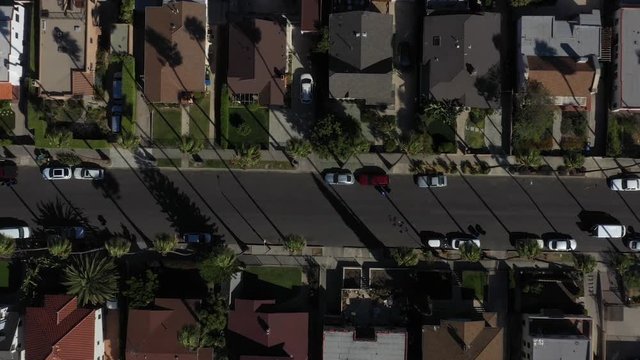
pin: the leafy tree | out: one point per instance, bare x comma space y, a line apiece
573, 160
445, 111
58, 138
117, 246
529, 157
59, 246
417, 143
128, 140
192, 337
470, 252
219, 266
294, 243
533, 116
248, 157
7, 246
324, 44
404, 256
34, 266
164, 243
299, 148
93, 279
584, 262
335, 138
528, 249
213, 320
69, 158
190, 145
142, 290
126, 11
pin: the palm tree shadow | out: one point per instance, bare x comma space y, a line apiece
59, 214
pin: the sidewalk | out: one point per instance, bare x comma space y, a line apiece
596, 167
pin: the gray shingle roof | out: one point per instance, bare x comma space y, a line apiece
374, 88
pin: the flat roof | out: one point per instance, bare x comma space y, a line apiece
120, 38
565, 348
341, 344
5, 43
62, 42
628, 80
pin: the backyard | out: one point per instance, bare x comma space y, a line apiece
199, 116
166, 125
249, 126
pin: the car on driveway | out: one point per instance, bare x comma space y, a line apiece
625, 184
373, 180
456, 243
339, 178
404, 55
16, 232
57, 173
197, 238
561, 244
431, 180
306, 88
83, 173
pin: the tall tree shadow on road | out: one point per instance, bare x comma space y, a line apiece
366, 237
59, 214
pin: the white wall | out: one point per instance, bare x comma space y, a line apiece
18, 25
98, 341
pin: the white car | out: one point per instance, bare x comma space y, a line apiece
88, 174
57, 173
457, 243
306, 88
562, 245
334, 178
625, 184
431, 180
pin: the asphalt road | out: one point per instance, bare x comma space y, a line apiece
251, 206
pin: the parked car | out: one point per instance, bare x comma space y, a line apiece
634, 244
339, 178
625, 184
57, 173
83, 173
16, 232
613, 231
433, 243
116, 118
306, 88
373, 180
431, 180
561, 244
116, 92
69, 232
197, 238
456, 243
404, 55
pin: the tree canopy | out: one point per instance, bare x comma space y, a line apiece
533, 117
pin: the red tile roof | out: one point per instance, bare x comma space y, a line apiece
281, 335
152, 333
82, 82
310, 14
59, 330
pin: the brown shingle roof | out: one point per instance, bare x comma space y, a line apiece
310, 15
152, 334
82, 82
257, 60
463, 340
562, 76
174, 58
59, 330
279, 335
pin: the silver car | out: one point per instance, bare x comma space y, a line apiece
562, 244
625, 184
334, 178
57, 173
431, 180
88, 173
458, 242
306, 88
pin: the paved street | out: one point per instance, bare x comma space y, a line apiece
258, 205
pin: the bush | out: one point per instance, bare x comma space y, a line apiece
58, 138
128, 140
404, 256
614, 138
585, 263
294, 243
530, 158
224, 116
126, 11
164, 243
337, 138
470, 252
573, 160
68, 158
447, 148
190, 145
59, 247
418, 143
534, 114
528, 249
248, 157
298, 148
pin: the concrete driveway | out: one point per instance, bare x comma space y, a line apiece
405, 81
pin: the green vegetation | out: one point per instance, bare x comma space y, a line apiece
190, 145
323, 45
533, 119
404, 256
199, 117
128, 140
164, 243
623, 135
68, 158
117, 246
475, 280
93, 279
584, 262
254, 118
337, 138
126, 11
286, 277
59, 247
574, 130
439, 121
167, 126
247, 157
528, 249
383, 128
129, 91
4, 274
224, 117
573, 160
33, 73
299, 148
294, 243
219, 266
7, 118
521, 3
470, 252
142, 290
262, 164
7, 246
417, 143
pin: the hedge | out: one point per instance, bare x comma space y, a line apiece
224, 117
129, 92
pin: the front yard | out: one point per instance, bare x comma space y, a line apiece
286, 277
574, 130
476, 282
474, 128
249, 126
199, 116
167, 125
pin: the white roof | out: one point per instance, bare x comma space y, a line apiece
341, 345
628, 79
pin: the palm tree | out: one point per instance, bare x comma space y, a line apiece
92, 279
294, 243
528, 249
470, 252
190, 145
220, 267
7, 246
164, 243
585, 263
59, 246
298, 147
248, 157
128, 140
404, 256
117, 246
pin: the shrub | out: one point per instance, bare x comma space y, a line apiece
534, 114
298, 148
59, 247
248, 157
117, 246
528, 249
69, 158
447, 148
7, 246
585, 263
294, 243
529, 158
417, 143
164, 243
470, 252
337, 138
244, 129
58, 138
404, 256
323, 45
141, 291
126, 11
614, 138
190, 145
573, 160
128, 140
224, 116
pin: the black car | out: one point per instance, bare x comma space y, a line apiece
404, 54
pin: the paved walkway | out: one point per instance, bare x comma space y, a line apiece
20, 128
493, 132
557, 128
143, 117
184, 120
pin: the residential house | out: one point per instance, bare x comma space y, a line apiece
461, 59
69, 33
364, 343
257, 330
310, 11
152, 333
464, 339
12, 334
566, 337
175, 51
564, 56
12, 26
257, 62
122, 39
625, 95
360, 57
61, 329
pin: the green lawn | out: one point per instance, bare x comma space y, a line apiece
167, 125
475, 280
286, 277
199, 117
257, 121
475, 139
129, 92
444, 135
4, 274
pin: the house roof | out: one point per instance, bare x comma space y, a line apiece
463, 340
10, 327
174, 50
152, 333
562, 76
310, 15
59, 328
628, 79
374, 88
342, 344
257, 59
460, 52
6, 91
262, 334
546, 36
82, 82
121, 37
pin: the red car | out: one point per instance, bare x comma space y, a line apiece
373, 180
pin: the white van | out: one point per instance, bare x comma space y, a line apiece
19, 232
609, 231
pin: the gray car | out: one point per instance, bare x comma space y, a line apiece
431, 180
57, 173
334, 178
